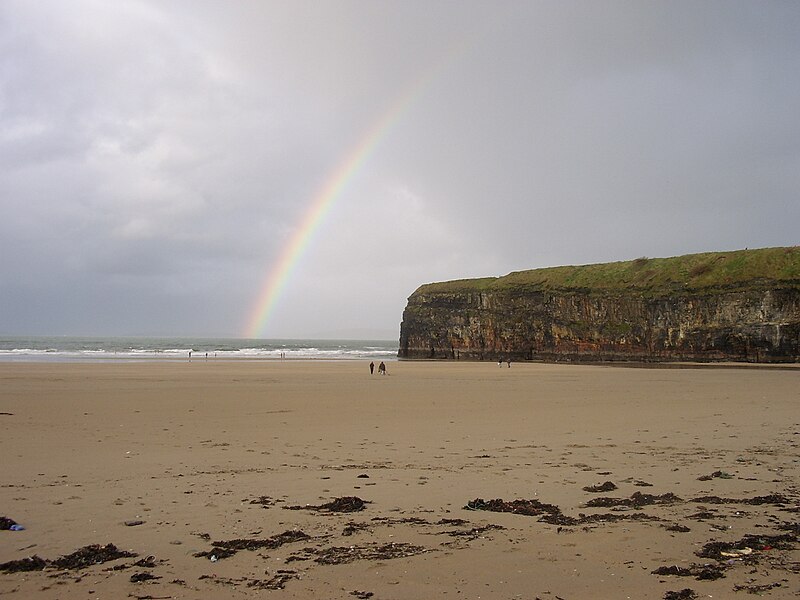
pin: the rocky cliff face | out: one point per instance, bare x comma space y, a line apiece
692, 317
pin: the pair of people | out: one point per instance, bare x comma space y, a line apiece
381, 368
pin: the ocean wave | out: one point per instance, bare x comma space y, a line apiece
105, 349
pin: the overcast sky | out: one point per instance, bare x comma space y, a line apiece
157, 156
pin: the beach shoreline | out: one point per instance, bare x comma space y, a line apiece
216, 451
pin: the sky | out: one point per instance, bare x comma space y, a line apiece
295, 169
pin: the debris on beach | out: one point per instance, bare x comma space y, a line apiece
80, 559
608, 486
748, 550
403, 520
715, 475
149, 562
636, 482
345, 504
793, 527
227, 548
88, 556
776, 499
684, 594
143, 576
550, 513
7, 524
637, 500
133, 523
456, 522
474, 533
32, 563
599, 518
276, 582
340, 555
745, 547
468, 532
530, 508
264, 501
699, 572
703, 515
352, 528
756, 589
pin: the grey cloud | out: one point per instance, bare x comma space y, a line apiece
156, 159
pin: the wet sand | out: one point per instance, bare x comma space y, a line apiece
209, 457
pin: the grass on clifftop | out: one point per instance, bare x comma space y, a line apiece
708, 271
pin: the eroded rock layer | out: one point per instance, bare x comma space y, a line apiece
728, 306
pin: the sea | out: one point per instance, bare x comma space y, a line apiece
78, 349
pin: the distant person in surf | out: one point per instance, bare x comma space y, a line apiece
382, 368
371, 368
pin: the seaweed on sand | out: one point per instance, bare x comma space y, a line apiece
345, 504
637, 500
226, 548
88, 556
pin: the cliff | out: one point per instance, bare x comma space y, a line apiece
725, 306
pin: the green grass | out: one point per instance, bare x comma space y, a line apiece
708, 272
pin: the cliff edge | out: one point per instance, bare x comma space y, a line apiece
720, 306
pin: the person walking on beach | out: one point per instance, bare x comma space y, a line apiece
371, 368
382, 368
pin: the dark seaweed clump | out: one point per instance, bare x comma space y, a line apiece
530, 508
776, 499
715, 550
684, 594
608, 486
699, 572
80, 559
338, 555
346, 504
90, 555
550, 513
226, 548
33, 563
637, 500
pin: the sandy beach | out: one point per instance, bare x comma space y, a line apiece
304, 479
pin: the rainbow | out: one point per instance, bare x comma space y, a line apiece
327, 195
